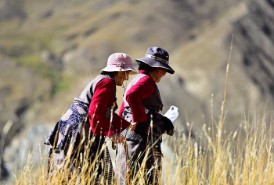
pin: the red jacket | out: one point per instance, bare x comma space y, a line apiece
143, 89
104, 98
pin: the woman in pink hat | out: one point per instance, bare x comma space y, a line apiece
95, 105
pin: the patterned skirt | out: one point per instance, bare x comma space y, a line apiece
69, 123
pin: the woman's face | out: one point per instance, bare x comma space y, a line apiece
121, 76
159, 73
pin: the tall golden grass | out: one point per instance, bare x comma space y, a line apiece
243, 157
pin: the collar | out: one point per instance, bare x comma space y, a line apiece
143, 72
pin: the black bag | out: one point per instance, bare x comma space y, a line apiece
161, 125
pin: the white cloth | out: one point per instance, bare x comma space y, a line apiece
172, 113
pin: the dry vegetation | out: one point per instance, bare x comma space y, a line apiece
242, 157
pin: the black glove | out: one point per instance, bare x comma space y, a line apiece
162, 124
133, 136
168, 126
138, 133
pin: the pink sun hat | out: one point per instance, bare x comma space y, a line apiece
119, 62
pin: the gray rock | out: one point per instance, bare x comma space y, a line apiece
27, 148
255, 39
80, 60
12, 9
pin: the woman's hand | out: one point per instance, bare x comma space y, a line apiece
117, 138
132, 126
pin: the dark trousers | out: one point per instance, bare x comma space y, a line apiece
92, 158
99, 158
144, 154
138, 153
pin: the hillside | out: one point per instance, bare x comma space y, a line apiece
50, 50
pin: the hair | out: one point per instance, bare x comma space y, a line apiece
108, 73
146, 67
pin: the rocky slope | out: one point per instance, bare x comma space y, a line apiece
255, 39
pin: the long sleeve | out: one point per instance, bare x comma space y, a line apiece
100, 108
143, 89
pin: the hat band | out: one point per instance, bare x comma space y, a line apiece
157, 58
122, 65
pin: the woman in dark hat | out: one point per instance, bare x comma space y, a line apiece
141, 106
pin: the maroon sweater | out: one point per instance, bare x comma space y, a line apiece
143, 89
103, 99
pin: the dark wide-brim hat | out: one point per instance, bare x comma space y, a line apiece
157, 57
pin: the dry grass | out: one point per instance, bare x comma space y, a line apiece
244, 157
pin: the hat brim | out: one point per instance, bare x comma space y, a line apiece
116, 69
154, 63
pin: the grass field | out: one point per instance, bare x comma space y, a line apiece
244, 157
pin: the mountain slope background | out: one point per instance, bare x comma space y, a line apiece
50, 50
